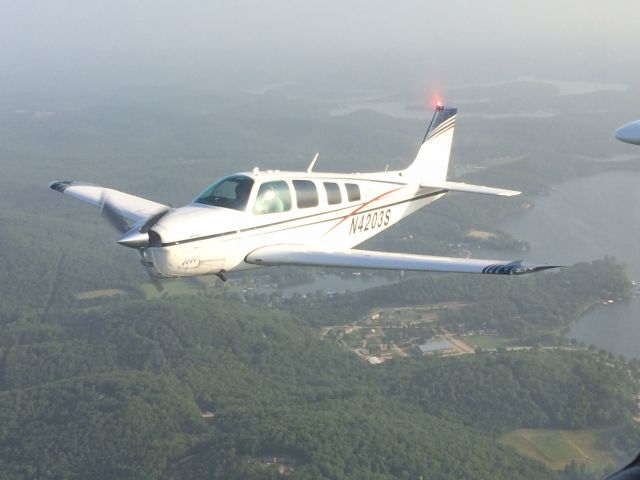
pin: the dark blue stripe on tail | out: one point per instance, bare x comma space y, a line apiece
441, 116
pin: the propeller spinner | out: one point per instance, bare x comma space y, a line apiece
139, 237
132, 237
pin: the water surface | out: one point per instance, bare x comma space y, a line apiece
583, 220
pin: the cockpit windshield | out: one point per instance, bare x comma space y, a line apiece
229, 192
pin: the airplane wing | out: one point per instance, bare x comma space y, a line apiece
305, 255
469, 188
126, 206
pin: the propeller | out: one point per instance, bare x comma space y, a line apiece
139, 237
134, 238
155, 281
112, 216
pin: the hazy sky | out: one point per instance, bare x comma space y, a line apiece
66, 40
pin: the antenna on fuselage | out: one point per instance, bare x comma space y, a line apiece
313, 162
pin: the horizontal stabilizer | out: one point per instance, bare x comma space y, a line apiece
303, 255
469, 188
126, 206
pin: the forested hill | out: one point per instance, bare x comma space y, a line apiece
522, 306
195, 387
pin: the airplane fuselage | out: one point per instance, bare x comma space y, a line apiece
340, 210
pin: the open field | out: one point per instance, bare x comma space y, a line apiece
558, 448
170, 287
487, 342
411, 314
92, 294
480, 234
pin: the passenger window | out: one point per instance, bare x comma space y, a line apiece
333, 193
353, 191
306, 193
273, 197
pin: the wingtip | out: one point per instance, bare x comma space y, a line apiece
60, 185
524, 269
515, 268
548, 267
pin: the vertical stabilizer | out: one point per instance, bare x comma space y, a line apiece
432, 162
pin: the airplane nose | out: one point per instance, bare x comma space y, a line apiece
134, 239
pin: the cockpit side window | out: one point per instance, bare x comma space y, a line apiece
230, 192
273, 197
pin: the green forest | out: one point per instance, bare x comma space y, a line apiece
194, 387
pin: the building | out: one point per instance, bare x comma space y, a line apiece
432, 347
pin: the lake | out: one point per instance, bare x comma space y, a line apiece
409, 108
583, 220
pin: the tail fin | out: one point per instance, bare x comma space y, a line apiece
432, 162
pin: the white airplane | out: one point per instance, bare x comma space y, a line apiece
266, 218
